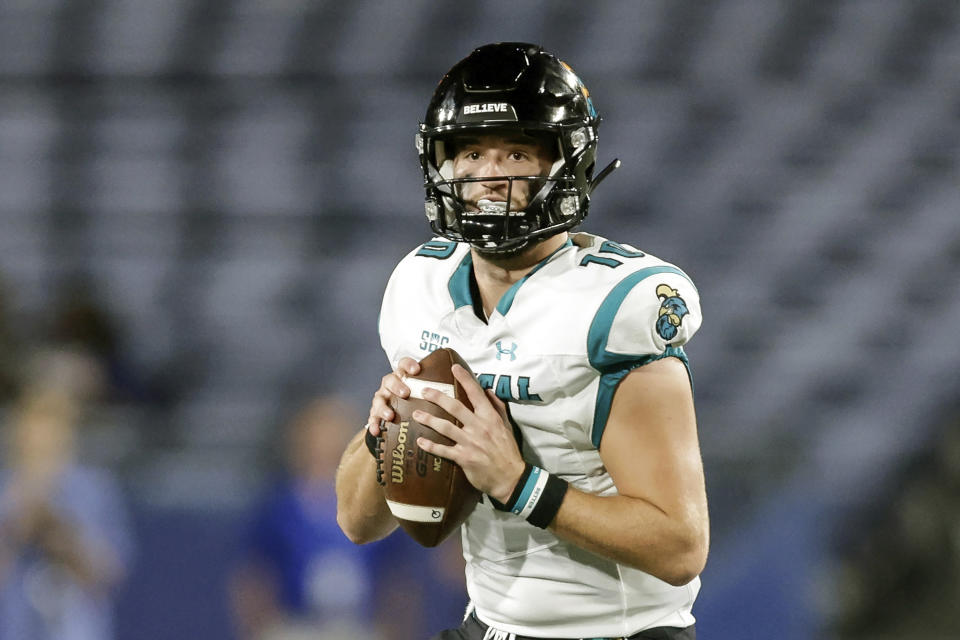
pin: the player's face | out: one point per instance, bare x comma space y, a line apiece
494, 156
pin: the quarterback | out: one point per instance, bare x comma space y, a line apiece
583, 435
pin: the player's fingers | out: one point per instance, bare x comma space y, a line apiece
499, 405
380, 404
380, 408
375, 425
495, 400
393, 385
451, 405
441, 426
378, 413
475, 393
408, 366
440, 450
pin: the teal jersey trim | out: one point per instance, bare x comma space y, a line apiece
507, 300
459, 284
610, 380
531, 483
614, 367
439, 249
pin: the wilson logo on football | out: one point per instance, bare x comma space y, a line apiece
396, 473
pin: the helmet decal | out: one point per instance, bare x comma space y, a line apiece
583, 89
487, 112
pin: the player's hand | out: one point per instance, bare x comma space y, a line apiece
484, 447
391, 385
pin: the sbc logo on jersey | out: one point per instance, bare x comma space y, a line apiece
431, 341
672, 310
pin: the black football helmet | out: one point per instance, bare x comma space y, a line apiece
507, 88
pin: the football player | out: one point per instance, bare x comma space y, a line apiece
582, 435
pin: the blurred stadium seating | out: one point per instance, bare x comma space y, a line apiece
237, 179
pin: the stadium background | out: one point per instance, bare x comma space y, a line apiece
233, 181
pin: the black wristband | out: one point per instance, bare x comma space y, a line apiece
517, 490
549, 503
537, 497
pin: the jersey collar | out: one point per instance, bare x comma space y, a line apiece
462, 293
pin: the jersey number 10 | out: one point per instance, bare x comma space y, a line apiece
614, 248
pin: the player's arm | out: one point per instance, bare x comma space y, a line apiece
659, 522
362, 512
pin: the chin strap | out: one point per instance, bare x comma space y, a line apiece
603, 174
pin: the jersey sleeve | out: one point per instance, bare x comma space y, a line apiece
646, 313
391, 313
646, 316
413, 293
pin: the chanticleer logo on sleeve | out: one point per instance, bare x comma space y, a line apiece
672, 310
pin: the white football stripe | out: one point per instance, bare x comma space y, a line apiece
417, 386
416, 513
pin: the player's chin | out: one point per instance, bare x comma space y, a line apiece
497, 254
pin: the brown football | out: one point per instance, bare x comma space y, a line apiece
429, 496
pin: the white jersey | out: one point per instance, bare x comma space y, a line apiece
555, 348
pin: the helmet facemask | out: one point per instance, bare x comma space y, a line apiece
527, 209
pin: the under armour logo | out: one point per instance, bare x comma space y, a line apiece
497, 634
512, 351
